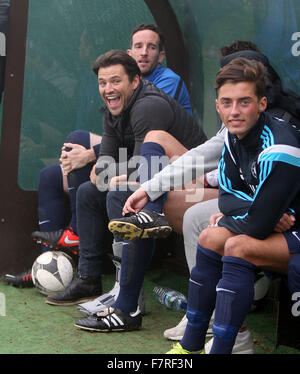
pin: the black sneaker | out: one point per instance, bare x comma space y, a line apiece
142, 225
64, 240
79, 291
23, 280
111, 320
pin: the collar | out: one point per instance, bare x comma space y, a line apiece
253, 137
154, 73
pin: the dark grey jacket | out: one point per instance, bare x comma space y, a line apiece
148, 109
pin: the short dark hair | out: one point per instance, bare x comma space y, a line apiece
237, 46
244, 70
152, 27
117, 57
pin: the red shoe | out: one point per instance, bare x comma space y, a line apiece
64, 240
22, 280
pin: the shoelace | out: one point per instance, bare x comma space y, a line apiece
108, 317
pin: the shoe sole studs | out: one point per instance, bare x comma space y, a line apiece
69, 303
69, 250
92, 329
128, 231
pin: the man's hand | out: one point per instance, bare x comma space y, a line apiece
121, 180
117, 181
214, 219
285, 223
76, 158
136, 201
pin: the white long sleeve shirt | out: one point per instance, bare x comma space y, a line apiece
191, 165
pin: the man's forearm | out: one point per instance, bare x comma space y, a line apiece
191, 165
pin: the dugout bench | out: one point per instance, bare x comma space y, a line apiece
18, 217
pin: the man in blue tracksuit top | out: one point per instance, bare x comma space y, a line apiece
172, 84
147, 48
259, 175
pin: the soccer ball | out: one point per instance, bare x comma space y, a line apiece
52, 271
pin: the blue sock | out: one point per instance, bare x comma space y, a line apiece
154, 160
235, 293
201, 297
136, 258
51, 201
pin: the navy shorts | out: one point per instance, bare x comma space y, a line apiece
293, 274
293, 240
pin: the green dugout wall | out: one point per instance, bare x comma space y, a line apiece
50, 89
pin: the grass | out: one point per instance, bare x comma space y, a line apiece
31, 326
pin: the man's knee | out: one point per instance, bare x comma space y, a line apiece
157, 136
171, 146
51, 174
207, 238
81, 137
237, 246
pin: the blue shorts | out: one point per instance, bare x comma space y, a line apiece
293, 240
292, 278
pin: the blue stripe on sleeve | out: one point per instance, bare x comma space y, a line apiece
281, 157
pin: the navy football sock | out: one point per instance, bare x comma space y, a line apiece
153, 160
136, 258
235, 293
201, 297
51, 201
